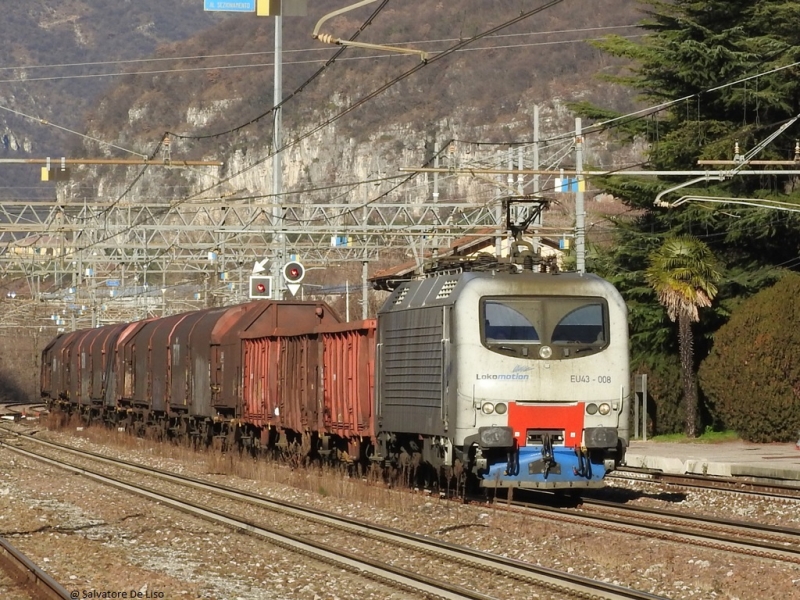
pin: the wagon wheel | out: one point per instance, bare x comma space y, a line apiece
234, 439
205, 435
182, 430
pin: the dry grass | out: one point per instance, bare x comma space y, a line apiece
325, 480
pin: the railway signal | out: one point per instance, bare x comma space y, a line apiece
260, 287
293, 273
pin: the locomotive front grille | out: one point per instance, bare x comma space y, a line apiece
536, 437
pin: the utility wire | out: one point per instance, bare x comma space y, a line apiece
631, 116
87, 137
295, 51
382, 89
291, 62
522, 16
297, 91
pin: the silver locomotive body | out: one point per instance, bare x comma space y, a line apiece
521, 379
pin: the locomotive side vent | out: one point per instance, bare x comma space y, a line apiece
447, 288
400, 297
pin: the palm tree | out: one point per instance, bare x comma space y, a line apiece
683, 274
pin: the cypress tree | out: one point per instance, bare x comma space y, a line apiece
692, 50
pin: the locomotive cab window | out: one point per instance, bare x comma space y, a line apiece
583, 325
519, 326
511, 325
506, 322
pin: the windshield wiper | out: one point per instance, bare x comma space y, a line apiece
585, 349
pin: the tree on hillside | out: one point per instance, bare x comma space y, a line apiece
691, 52
684, 277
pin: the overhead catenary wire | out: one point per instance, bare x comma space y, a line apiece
291, 62
329, 121
461, 44
166, 135
296, 51
633, 115
72, 131
636, 114
297, 91
382, 89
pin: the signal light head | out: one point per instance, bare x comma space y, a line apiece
293, 272
260, 287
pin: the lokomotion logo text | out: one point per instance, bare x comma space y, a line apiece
518, 373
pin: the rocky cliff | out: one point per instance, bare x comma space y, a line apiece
484, 93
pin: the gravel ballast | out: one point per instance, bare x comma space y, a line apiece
92, 538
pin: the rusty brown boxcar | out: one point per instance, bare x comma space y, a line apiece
78, 368
55, 377
348, 381
256, 319
278, 367
121, 394
184, 372
95, 349
258, 374
189, 371
316, 382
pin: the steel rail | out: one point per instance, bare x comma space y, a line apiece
758, 528
701, 535
29, 575
739, 485
383, 572
554, 580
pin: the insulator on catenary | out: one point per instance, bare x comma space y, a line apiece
327, 38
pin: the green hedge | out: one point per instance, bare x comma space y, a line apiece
751, 378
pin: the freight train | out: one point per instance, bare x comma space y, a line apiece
506, 379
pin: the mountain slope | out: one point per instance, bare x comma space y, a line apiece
485, 92
50, 53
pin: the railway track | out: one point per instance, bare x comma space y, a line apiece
768, 488
25, 577
355, 542
742, 537
16, 411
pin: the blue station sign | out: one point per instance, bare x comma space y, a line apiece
230, 5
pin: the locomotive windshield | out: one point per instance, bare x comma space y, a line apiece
574, 327
505, 321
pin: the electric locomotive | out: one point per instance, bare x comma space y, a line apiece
519, 379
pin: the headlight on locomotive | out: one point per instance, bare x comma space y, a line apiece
545, 352
500, 408
591, 409
487, 408
605, 408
